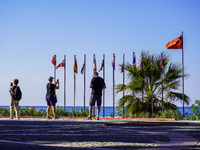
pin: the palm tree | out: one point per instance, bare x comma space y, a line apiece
145, 85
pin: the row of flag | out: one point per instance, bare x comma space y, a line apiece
62, 64
176, 43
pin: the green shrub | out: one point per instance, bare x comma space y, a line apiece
195, 111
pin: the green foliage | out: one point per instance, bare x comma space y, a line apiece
31, 111
152, 81
195, 111
4, 112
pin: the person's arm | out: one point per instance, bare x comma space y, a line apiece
91, 85
104, 87
57, 85
9, 89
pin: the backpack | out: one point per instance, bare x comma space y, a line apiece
16, 93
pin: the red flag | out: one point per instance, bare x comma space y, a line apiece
161, 62
122, 70
75, 66
53, 60
176, 43
62, 64
141, 65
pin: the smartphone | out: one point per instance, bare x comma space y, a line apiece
11, 84
57, 80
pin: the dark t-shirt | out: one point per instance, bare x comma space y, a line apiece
98, 84
50, 89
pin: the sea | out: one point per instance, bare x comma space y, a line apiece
108, 109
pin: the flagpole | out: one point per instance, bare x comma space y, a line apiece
84, 78
183, 75
65, 83
104, 89
152, 85
123, 81
142, 79
74, 83
113, 86
55, 71
133, 73
162, 79
94, 61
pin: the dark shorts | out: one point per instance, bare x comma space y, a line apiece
51, 100
94, 98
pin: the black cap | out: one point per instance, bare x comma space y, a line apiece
96, 73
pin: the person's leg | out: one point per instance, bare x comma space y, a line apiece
99, 101
11, 108
90, 111
48, 110
16, 104
98, 110
54, 111
91, 103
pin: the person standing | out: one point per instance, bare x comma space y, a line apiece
15, 96
51, 98
97, 84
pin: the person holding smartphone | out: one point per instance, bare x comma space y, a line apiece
51, 98
14, 102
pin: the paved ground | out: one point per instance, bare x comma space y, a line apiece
77, 134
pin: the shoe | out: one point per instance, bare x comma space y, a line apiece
49, 118
97, 118
89, 118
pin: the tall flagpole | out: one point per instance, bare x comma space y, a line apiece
142, 79
133, 72
94, 61
104, 89
74, 83
123, 81
65, 82
113, 85
183, 74
152, 84
84, 78
162, 78
55, 70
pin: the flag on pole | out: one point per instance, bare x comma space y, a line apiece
122, 70
141, 65
83, 68
62, 64
75, 66
102, 65
151, 58
161, 62
94, 64
134, 63
53, 60
176, 43
113, 62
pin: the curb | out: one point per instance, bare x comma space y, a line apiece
102, 118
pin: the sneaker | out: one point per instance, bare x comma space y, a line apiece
48, 118
89, 118
97, 118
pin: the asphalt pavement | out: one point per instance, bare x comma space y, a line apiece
103, 134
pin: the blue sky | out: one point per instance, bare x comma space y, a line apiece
32, 31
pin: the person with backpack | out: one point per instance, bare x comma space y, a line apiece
51, 98
15, 97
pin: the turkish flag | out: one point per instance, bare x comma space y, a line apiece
62, 64
53, 60
176, 43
